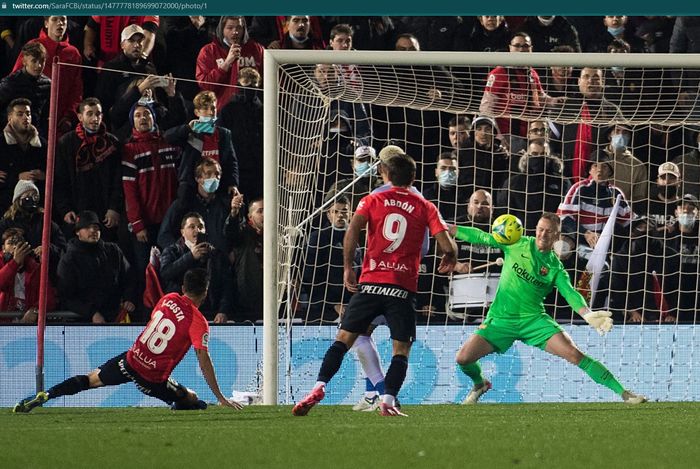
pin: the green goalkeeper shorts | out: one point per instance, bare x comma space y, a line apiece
501, 333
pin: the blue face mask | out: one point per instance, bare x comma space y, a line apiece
616, 31
619, 141
447, 179
364, 169
210, 185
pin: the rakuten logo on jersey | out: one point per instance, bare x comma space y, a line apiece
381, 265
527, 276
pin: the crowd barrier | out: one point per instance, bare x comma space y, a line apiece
656, 360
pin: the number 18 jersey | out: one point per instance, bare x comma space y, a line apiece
396, 222
175, 325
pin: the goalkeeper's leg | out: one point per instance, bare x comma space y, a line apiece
467, 361
562, 346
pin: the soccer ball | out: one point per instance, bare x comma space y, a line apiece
507, 229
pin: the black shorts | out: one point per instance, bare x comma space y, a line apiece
396, 304
117, 371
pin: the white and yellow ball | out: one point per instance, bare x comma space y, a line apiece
507, 229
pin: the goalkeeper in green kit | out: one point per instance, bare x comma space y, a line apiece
530, 270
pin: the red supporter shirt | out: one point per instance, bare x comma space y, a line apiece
175, 324
396, 222
516, 90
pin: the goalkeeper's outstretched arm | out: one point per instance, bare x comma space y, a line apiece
473, 235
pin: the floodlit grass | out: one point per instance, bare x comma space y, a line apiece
612, 435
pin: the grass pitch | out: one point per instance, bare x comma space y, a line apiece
654, 435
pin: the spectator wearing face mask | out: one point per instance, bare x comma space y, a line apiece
202, 139
664, 196
630, 175
538, 186
213, 206
616, 28
486, 164
365, 177
450, 199
684, 238
26, 214
23, 151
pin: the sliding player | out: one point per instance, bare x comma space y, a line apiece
175, 325
531, 269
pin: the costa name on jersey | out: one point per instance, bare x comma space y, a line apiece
175, 325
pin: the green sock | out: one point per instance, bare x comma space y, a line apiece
473, 370
600, 374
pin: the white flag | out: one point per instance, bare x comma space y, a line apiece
596, 263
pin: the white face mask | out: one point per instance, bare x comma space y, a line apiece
561, 248
686, 220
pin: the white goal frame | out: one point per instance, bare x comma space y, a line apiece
274, 59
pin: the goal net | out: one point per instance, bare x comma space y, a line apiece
491, 133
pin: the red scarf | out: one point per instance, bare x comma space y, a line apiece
94, 148
210, 145
582, 148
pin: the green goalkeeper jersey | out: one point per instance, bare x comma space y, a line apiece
527, 277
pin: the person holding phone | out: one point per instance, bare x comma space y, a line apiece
156, 91
19, 277
193, 250
218, 62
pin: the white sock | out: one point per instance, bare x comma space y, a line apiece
369, 358
319, 384
389, 400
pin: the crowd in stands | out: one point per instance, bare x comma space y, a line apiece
159, 158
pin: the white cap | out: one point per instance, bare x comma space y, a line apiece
131, 30
365, 150
669, 168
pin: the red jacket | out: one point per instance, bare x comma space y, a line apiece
209, 72
149, 177
32, 269
70, 78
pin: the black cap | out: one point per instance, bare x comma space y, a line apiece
689, 199
87, 218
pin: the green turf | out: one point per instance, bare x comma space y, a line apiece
433, 436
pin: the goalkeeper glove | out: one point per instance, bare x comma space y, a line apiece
599, 320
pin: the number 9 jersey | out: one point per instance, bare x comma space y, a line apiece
396, 222
176, 324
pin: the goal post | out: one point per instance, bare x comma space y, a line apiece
297, 111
